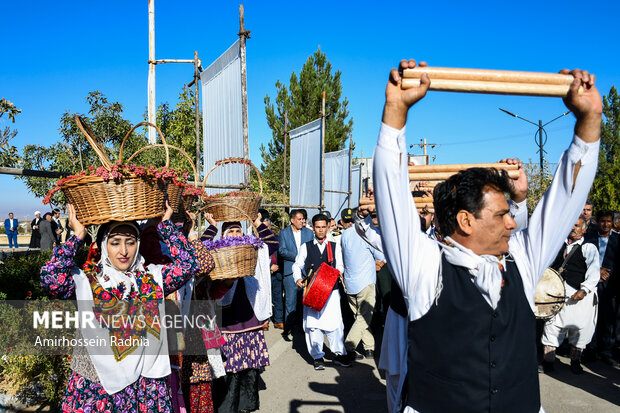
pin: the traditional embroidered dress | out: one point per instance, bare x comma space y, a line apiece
101, 381
245, 309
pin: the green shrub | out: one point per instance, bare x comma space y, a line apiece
20, 275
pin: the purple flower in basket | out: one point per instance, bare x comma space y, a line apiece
233, 241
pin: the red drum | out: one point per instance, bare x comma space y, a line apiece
319, 287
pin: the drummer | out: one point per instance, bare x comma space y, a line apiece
469, 300
329, 320
578, 265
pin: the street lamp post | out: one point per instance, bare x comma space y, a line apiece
540, 137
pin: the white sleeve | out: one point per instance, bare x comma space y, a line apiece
300, 262
519, 214
339, 263
412, 257
593, 273
535, 247
368, 233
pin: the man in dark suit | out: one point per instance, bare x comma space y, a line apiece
291, 239
57, 225
10, 229
607, 244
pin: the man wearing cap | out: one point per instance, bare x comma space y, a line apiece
291, 238
35, 238
360, 277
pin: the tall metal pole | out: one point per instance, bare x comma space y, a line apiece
350, 168
323, 151
540, 137
284, 169
197, 124
541, 144
197, 109
243, 35
151, 81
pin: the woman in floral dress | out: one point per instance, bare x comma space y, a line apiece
117, 378
246, 308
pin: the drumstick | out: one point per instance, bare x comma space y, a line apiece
460, 166
490, 81
487, 75
442, 176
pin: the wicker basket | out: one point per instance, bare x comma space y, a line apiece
234, 262
233, 208
237, 261
97, 201
179, 202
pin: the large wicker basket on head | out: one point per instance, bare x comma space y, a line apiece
237, 261
233, 208
97, 201
180, 202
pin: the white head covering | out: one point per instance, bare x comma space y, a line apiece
110, 276
37, 212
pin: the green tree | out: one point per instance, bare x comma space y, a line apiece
72, 152
178, 126
301, 101
605, 193
538, 182
9, 156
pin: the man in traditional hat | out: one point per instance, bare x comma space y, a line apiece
35, 238
470, 300
328, 321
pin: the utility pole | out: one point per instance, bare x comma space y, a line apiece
243, 36
323, 151
425, 145
284, 169
540, 137
151, 81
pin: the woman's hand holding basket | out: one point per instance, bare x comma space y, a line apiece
78, 229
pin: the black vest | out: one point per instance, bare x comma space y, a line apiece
466, 357
314, 258
575, 269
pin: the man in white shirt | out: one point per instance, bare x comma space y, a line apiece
471, 327
578, 265
360, 277
328, 321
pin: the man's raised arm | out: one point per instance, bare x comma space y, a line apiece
409, 252
562, 203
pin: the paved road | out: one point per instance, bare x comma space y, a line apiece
292, 385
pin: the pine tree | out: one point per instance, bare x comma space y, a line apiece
301, 101
605, 193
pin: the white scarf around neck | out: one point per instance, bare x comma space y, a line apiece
485, 270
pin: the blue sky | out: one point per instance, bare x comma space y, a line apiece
54, 53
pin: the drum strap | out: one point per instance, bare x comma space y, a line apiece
568, 256
330, 254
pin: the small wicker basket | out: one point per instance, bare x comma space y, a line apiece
237, 261
97, 201
233, 208
234, 262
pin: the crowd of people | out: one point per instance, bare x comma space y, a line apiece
47, 231
452, 287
